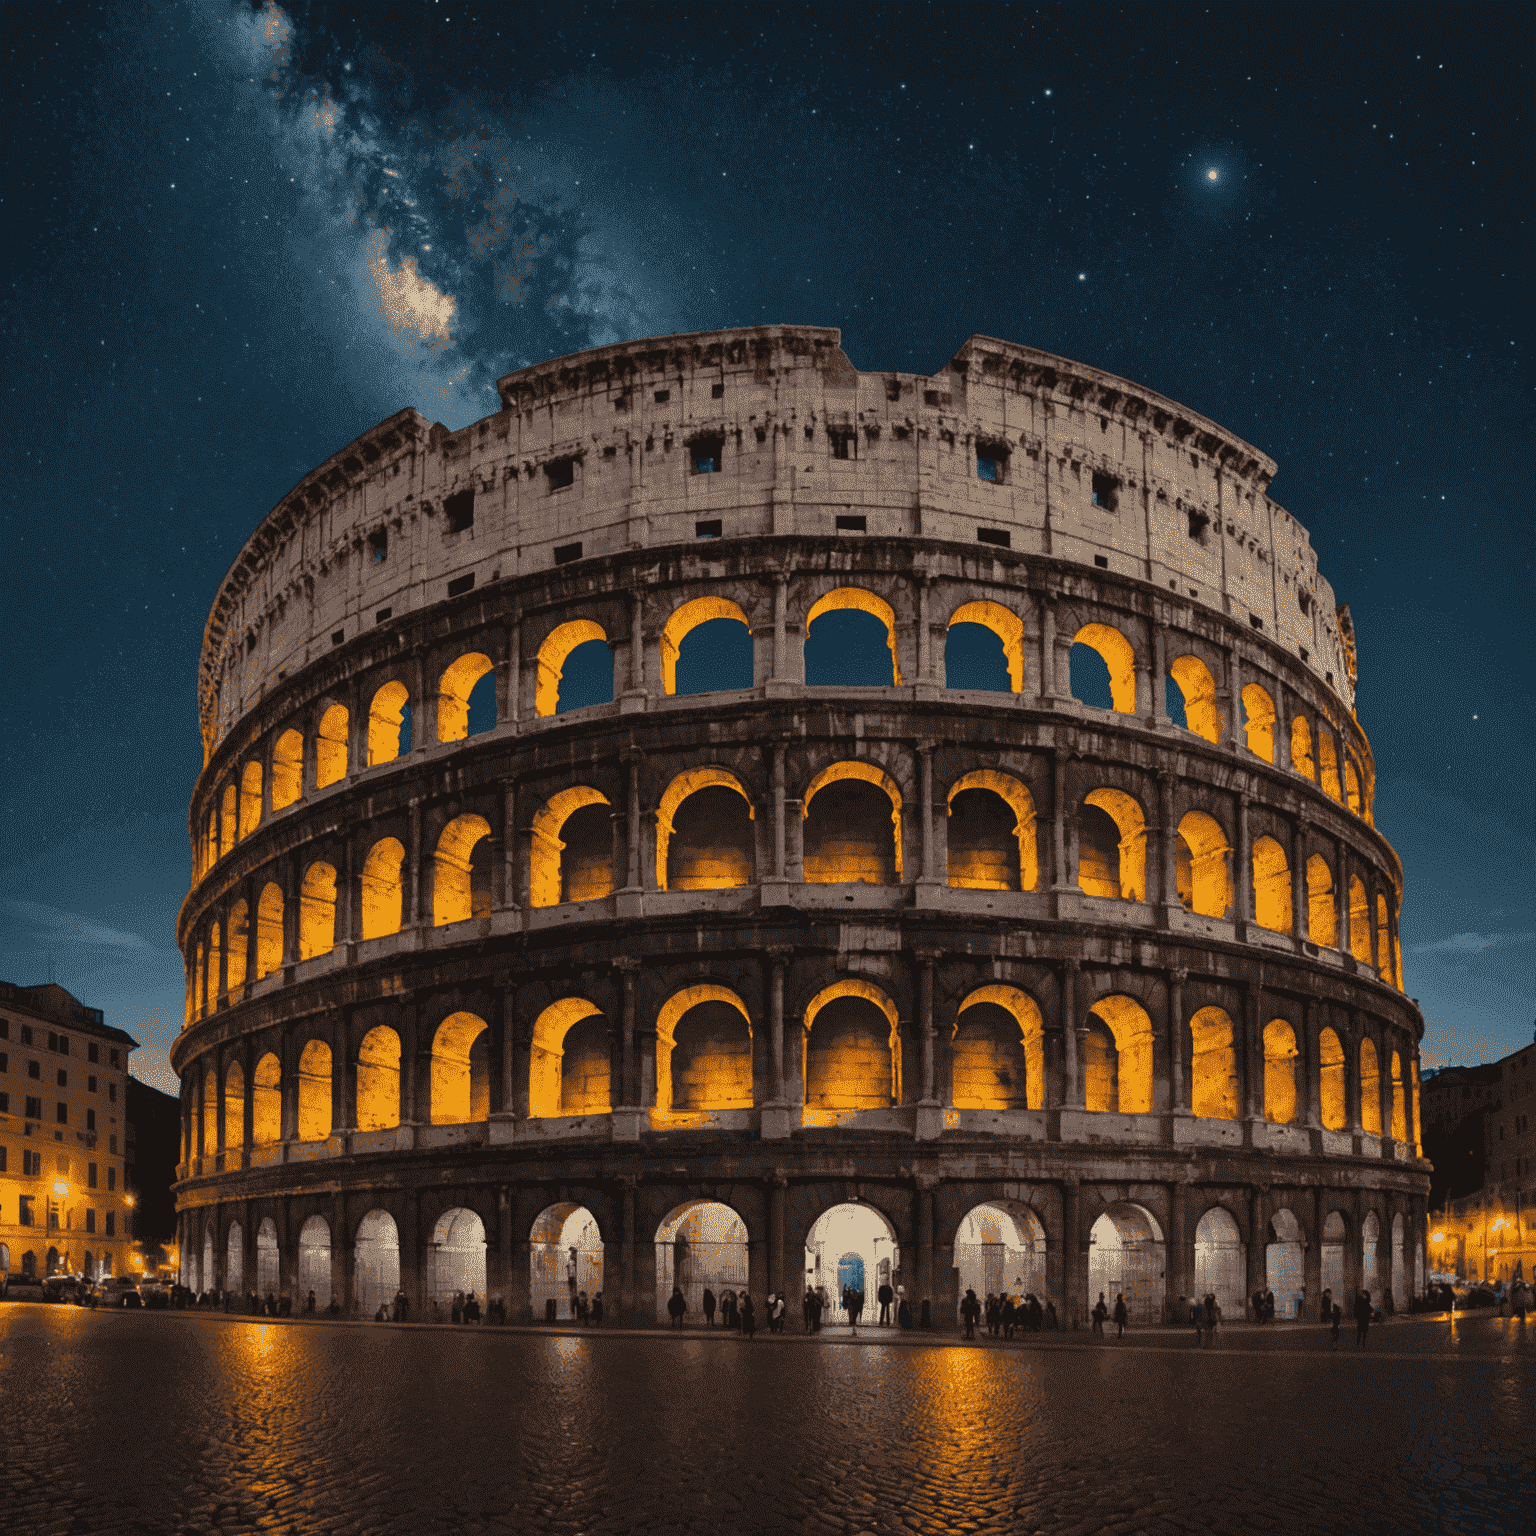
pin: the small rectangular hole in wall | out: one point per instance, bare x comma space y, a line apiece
930, 397
1257, 622
844, 442
1173, 586
1303, 650
1328, 678
338, 637
849, 523
565, 552
998, 536
716, 391
707, 455
762, 434
459, 510
250, 644
707, 528
991, 463
378, 544
1304, 600
561, 473
461, 584
1106, 491
1198, 522
893, 389
1102, 561
382, 614
1194, 592
662, 396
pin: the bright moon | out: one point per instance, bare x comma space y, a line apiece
1210, 175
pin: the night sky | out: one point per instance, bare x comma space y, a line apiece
236, 239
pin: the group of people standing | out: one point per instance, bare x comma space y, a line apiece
1005, 1313
735, 1308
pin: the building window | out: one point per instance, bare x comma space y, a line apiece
63, 1078
5, 1061
849, 522
93, 1053
378, 545
24, 1215
114, 1055
112, 1172
111, 1223
2, 1164
1106, 491
459, 509
5, 1029
5, 1103
561, 474
90, 1085
26, 1034
34, 1108
998, 536
35, 1070
708, 455
90, 1175
61, 1113
112, 1148
567, 552
31, 1164
90, 1120
844, 441
63, 1046
90, 1219
991, 462
112, 1093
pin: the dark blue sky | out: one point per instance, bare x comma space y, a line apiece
236, 239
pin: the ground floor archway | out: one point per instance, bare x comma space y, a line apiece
851, 1245
1333, 1257
314, 1264
377, 1266
1221, 1262
1285, 1272
456, 1259
234, 1259
1000, 1250
565, 1257
267, 1268
1126, 1258
700, 1245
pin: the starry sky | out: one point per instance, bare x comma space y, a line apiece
236, 237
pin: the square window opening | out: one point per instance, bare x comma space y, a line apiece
1255, 621
849, 523
567, 552
461, 584
337, 636
1106, 491
1198, 522
991, 462
1102, 561
662, 396
707, 528
998, 536
716, 391
378, 545
459, 509
708, 455
560, 473
382, 615
844, 443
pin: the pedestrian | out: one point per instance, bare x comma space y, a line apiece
778, 1314
472, 1309
1336, 1317
1362, 1318
1037, 1314
903, 1311
456, 1315
855, 1308
1197, 1314
970, 1310
709, 1307
378, 1316
885, 1296
994, 1315
818, 1306
309, 1304
676, 1306
1327, 1314
807, 1306
1120, 1315
1391, 1306
1100, 1314
335, 1307
1212, 1321
597, 1310
729, 1317
583, 1308
271, 1305
1010, 1316
748, 1317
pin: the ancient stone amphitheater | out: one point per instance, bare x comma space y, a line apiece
732, 820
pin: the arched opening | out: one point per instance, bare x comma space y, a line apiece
287, 769
1383, 940
1370, 1088
1000, 1251
331, 744
999, 1054
992, 833
1301, 748
852, 1052
456, 1257
565, 1256
1202, 874
315, 1091
250, 799
234, 1106
1322, 922
215, 945
1328, 765
317, 911
1213, 1058
461, 1072
1330, 1081
378, 1080
706, 647
266, 1258
1220, 1263
1198, 688
1119, 663
199, 975
1117, 1074
571, 858
1370, 1268
553, 693
1399, 1104
704, 836
1334, 1236
569, 1064
390, 731
269, 931
209, 852
1399, 1263
267, 1102
1359, 921
1352, 786
454, 691
701, 1245
1279, 1073
1259, 710
314, 1264
210, 1113
1125, 1258
703, 1052
852, 1246
1271, 886
376, 1269
1285, 1266
228, 818
852, 818
984, 649
207, 1273
234, 1260
856, 645
1112, 846
461, 872
382, 893
239, 939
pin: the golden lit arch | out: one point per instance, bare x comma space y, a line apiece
670, 1016
1128, 818
459, 1095
1271, 886
331, 746
234, 1106
1322, 920
1383, 939
317, 911
1019, 800
287, 769
267, 1102
452, 892
1199, 690
1370, 1087
209, 852
215, 944
210, 1113
1330, 1081
1280, 1072
378, 1080
1131, 1030
1359, 920
686, 619
383, 893
1006, 625
453, 691
864, 602
315, 1091
199, 978
1399, 1103
385, 716
1026, 1014
677, 791
544, 856
228, 823
1328, 765
857, 768
1260, 724
269, 930
250, 799
551, 660
1202, 873
1301, 748
549, 1032
1213, 1057
239, 937
853, 987
1119, 657
1352, 786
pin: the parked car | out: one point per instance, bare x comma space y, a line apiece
120, 1291
22, 1287
73, 1288
153, 1294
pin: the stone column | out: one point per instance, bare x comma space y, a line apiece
779, 956
1309, 1091
219, 1069
1384, 1083
1301, 915
628, 1296
636, 642
930, 1112
343, 1259
1047, 649
289, 1089
925, 808
1258, 1233
778, 812
634, 879
1059, 821
1244, 863
1159, 676
925, 1274
409, 1029
343, 1076
509, 678
1167, 845
924, 640
1071, 1065
780, 605
1341, 895
778, 1206
1312, 1260
410, 905
1235, 685
1074, 1275
1179, 1251
1253, 1052
1352, 1072
498, 1255
248, 1105
423, 706
1178, 1065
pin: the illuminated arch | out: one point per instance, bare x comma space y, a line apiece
386, 715
461, 1083
209, 852
215, 944
234, 1105
1330, 1081
317, 911
1213, 1056
1399, 1100
544, 868
1271, 886
841, 598
1260, 724
681, 787
1301, 748
1019, 801
858, 1090
686, 619
1370, 1087
546, 1058
269, 930
239, 938
1119, 657
228, 823
378, 1080
1280, 1072
1131, 870
383, 893
1130, 1090
315, 1091
671, 1015
1328, 765
199, 975
453, 691
1202, 874
210, 1113
457, 895
287, 769
332, 746
827, 870
1383, 939
1026, 1015
250, 799
552, 658
1352, 796
1322, 919
1359, 920
1006, 625
1199, 690
267, 1102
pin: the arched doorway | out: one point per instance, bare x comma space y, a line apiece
314, 1264
207, 1271
1219, 1262
839, 1237
1125, 1258
1333, 1257
188, 1265
702, 1243
456, 1259
266, 1258
1370, 1273
234, 1260
1285, 1265
565, 1255
377, 1269
1000, 1250
1399, 1262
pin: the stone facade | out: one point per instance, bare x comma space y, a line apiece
1082, 964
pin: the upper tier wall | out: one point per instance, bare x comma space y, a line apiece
803, 437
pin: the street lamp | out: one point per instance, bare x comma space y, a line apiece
56, 1197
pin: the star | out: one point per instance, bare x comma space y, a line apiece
1210, 175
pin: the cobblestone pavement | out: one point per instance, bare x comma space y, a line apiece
150, 1421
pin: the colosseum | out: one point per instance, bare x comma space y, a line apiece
731, 820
